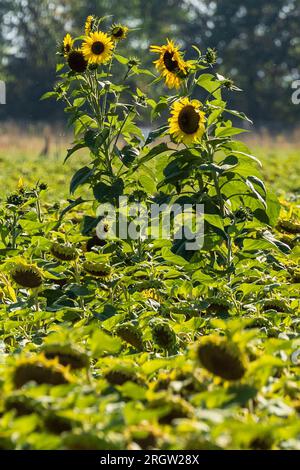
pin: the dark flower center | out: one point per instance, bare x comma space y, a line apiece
170, 64
77, 61
118, 32
188, 120
98, 48
68, 48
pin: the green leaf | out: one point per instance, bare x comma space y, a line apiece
81, 177
102, 344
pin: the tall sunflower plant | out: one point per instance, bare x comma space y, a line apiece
191, 157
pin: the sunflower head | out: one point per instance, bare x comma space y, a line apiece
56, 423
131, 335
118, 32
218, 305
77, 61
89, 25
174, 406
171, 64
279, 305
187, 121
27, 275
66, 354
120, 374
63, 252
221, 358
97, 48
286, 225
68, 43
40, 370
21, 404
100, 270
163, 336
145, 435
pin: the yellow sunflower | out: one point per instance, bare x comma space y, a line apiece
170, 63
89, 25
97, 48
187, 121
118, 32
68, 44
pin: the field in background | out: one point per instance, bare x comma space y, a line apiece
36, 153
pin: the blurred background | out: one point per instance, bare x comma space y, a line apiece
258, 42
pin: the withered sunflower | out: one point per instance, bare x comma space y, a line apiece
68, 44
118, 32
170, 64
77, 61
187, 121
97, 48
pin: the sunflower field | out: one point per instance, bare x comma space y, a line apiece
138, 343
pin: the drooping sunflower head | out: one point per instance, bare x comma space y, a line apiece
164, 336
171, 64
89, 25
66, 354
77, 61
40, 370
120, 374
100, 270
221, 358
97, 48
187, 121
131, 334
68, 44
279, 305
63, 252
118, 32
27, 275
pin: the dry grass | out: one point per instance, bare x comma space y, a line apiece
36, 152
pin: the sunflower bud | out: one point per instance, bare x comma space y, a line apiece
211, 56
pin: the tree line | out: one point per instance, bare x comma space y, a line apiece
258, 44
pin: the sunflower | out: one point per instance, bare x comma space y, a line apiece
130, 334
118, 32
187, 121
89, 24
164, 336
100, 270
27, 275
63, 252
66, 354
77, 61
97, 48
221, 358
40, 370
68, 44
170, 64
